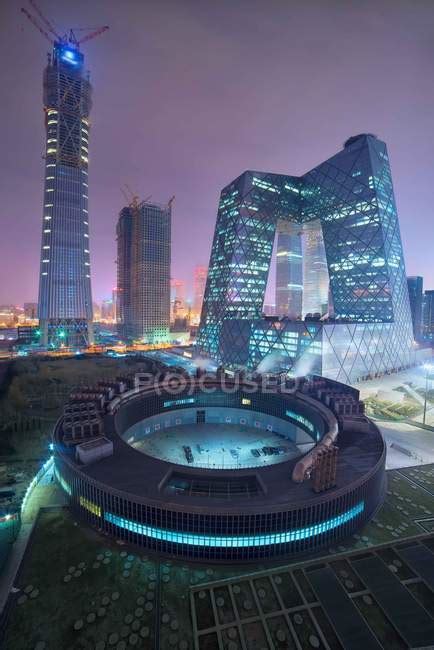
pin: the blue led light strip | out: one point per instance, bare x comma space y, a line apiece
193, 539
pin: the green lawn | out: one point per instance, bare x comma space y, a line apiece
33, 394
59, 543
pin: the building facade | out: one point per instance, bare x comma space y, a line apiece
65, 300
428, 316
415, 294
289, 271
315, 271
351, 197
143, 243
199, 283
231, 513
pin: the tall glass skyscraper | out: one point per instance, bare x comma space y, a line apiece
428, 315
415, 293
315, 271
289, 271
351, 197
143, 240
65, 301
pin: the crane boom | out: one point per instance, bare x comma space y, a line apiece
97, 32
36, 24
59, 40
44, 19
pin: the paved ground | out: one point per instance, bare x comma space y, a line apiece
391, 382
382, 598
79, 589
46, 493
402, 437
223, 445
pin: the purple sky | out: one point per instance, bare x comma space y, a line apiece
190, 93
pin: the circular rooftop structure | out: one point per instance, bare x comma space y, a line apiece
218, 438
223, 470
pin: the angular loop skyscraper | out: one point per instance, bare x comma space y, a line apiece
65, 300
350, 199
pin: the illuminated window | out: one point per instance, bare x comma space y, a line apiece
91, 507
178, 402
246, 401
235, 541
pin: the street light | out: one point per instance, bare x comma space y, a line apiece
428, 367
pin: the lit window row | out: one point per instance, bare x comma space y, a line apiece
301, 419
91, 507
236, 541
177, 402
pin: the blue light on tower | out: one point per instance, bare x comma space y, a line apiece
69, 55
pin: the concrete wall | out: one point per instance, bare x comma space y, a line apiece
216, 415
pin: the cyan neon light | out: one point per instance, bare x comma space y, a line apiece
178, 402
62, 481
194, 539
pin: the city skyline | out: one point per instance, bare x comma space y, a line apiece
213, 156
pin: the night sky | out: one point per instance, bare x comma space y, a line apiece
190, 93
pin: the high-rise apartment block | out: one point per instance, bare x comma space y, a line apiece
143, 243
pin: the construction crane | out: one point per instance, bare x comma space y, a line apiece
132, 199
50, 33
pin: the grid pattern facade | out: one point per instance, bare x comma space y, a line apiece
65, 300
289, 273
228, 530
415, 294
316, 276
300, 529
428, 315
124, 247
351, 197
144, 233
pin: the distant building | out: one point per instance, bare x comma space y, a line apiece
107, 310
428, 315
415, 294
115, 305
199, 283
289, 271
143, 243
28, 335
31, 310
178, 307
315, 271
269, 310
65, 300
96, 312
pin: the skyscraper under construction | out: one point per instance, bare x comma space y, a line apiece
143, 239
65, 300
